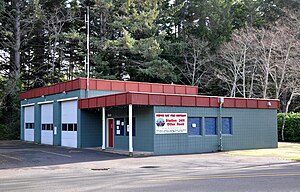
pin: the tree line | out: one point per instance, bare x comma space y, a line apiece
236, 48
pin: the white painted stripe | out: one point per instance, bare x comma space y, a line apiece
10, 157
67, 99
26, 105
58, 154
44, 102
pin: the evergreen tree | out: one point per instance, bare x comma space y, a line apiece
134, 46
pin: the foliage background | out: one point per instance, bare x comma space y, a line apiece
292, 130
218, 45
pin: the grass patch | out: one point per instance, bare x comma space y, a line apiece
285, 150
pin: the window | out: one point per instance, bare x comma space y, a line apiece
50, 126
227, 125
29, 125
64, 127
127, 126
69, 127
210, 126
194, 125
47, 127
119, 126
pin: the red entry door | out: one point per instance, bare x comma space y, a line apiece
110, 133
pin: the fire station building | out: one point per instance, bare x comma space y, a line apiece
148, 117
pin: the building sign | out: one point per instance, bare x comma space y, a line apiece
170, 123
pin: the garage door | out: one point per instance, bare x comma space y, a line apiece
47, 124
69, 123
29, 123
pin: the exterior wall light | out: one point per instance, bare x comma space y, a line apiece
221, 100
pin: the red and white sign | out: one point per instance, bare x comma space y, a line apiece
170, 123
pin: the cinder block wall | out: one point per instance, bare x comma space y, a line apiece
251, 129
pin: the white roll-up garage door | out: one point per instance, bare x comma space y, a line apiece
29, 123
47, 124
69, 123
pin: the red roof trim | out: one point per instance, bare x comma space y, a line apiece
151, 99
110, 85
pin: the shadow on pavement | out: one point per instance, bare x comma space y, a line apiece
19, 154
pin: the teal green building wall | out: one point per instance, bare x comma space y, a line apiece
91, 128
37, 123
22, 123
57, 123
251, 129
57, 115
144, 132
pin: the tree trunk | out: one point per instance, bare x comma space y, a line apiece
15, 68
283, 73
244, 71
252, 82
267, 70
234, 86
18, 41
285, 114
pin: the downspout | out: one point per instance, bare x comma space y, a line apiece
221, 101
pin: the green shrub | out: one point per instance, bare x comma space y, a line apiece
292, 127
8, 134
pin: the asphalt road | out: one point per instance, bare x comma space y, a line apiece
30, 167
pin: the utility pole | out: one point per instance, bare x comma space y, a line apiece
87, 61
